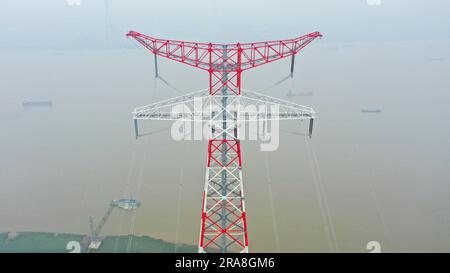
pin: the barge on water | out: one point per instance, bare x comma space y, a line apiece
37, 103
127, 204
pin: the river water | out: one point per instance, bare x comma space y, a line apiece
362, 177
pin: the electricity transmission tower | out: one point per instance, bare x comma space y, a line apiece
223, 219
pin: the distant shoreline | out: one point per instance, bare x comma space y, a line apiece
46, 242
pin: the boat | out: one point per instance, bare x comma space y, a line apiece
127, 204
37, 103
370, 111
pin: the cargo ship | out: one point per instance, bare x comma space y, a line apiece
371, 111
37, 103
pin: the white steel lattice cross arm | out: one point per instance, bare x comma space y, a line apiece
199, 106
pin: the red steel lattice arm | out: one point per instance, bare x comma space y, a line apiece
218, 59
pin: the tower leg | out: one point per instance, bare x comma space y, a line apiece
223, 220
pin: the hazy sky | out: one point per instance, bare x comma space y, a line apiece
53, 24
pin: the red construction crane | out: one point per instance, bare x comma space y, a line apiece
223, 218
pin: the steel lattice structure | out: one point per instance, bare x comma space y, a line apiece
223, 218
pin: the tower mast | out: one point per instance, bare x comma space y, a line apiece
223, 225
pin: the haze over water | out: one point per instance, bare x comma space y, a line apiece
362, 177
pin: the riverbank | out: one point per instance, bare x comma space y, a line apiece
43, 242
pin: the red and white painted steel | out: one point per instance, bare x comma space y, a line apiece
223, 218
